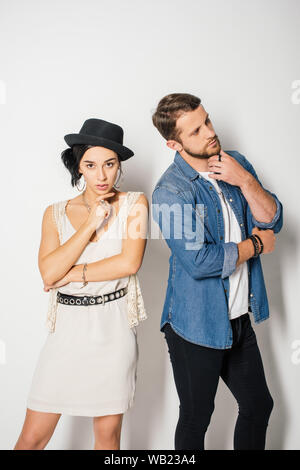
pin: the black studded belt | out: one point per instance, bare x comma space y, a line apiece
90, 299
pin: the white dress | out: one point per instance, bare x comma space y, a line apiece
87, 366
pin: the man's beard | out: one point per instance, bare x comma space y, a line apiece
204, 155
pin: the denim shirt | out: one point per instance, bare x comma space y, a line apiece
196, 302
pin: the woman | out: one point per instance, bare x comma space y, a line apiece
89, 256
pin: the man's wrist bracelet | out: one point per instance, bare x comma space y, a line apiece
260, 243
256, 246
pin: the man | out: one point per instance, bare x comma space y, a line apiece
215, 273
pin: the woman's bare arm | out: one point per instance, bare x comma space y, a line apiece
133, 247
54, 260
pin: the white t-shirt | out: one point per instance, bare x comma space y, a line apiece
238, 280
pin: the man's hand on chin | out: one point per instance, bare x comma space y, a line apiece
228, 169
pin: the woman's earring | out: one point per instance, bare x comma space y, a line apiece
83, 184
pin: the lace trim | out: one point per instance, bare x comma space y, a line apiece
57, 215
135, 303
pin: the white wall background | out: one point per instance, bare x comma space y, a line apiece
65, 61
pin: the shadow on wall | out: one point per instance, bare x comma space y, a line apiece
278, 322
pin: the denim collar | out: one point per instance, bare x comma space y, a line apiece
186, 169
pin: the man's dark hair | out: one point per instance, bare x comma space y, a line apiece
168, 111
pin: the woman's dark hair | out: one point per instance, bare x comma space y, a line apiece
71, 158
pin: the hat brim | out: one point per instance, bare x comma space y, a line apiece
123, 152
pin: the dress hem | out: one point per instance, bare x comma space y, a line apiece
35, 405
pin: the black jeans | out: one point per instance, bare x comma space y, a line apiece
196, 371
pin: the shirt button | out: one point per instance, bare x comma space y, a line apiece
221, 238
218, 211
210, 187
251, 295
241, 225
225, 290
230, 200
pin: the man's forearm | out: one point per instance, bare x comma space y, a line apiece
261, 203
246, 251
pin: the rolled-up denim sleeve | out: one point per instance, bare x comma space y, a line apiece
185, 236
277, 221
274, 225
231, 255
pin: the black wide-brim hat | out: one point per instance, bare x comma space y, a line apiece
103, 133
